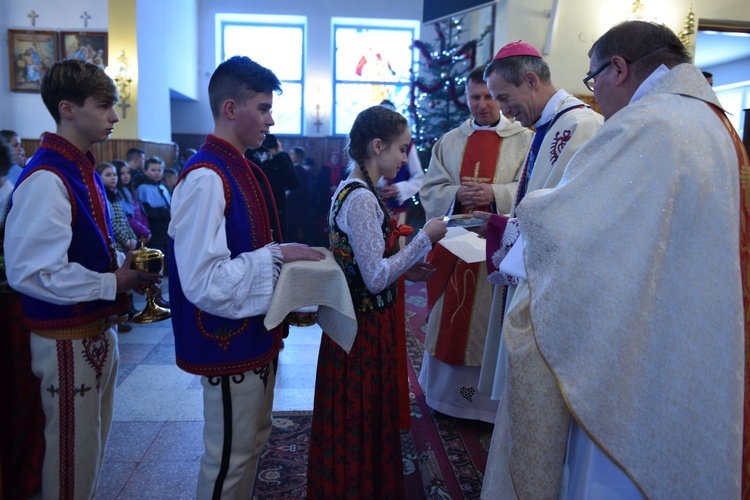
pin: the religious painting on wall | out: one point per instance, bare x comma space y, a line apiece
30, 53
88, 46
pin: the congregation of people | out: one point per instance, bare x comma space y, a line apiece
604, 335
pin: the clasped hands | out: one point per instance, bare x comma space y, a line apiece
475, 194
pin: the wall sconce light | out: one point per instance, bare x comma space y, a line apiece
123, 80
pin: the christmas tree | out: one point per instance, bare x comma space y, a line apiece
438, 102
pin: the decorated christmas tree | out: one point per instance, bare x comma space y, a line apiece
438, 102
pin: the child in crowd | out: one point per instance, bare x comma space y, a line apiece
125, 238
355, 446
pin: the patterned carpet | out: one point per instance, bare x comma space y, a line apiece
444, 457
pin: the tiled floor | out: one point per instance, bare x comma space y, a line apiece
156, 440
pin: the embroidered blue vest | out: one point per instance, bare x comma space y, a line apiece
206, 344
92, 241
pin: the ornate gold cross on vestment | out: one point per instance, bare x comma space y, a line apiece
476, 177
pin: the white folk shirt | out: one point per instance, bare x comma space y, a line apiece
234, 288
361, 218
37, 261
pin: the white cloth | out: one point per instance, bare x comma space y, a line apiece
646, 352
361, 218
37, 261
307, 283
451, 389
562, 140
512, 264
590, 474
251, 403
6, 188
78, 424
211, 280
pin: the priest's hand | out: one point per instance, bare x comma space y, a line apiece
476, 194
465, 195
481, 230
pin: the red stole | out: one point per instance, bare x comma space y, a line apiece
455, 279
744, 168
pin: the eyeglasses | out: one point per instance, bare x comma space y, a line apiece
591, 79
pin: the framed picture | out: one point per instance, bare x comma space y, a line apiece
30, 54
89, 46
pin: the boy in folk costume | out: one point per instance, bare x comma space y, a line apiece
61, 257
224, 260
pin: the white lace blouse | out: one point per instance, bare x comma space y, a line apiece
361, 218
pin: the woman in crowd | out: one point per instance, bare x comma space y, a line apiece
130, 204
355, 448
125, 238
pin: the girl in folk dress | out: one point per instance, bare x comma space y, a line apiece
355, 448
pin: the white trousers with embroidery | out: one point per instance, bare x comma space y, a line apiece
78, 380
237, 413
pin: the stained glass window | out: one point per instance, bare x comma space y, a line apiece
246, 36
371, 63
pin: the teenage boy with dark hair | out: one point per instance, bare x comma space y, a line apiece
60, 256
224, 262
136, 159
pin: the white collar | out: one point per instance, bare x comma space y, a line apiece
552, 107
649, 82
504, 122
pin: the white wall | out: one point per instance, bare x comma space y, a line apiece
167, 59
195, 117
25, 112
736, 71
581, 22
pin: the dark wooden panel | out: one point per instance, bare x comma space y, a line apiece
116, 149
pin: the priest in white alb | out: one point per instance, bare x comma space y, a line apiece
626, 334
473, 167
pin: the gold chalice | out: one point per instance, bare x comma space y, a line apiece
305, 316
149, 260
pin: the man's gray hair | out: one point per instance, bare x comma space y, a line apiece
512, 69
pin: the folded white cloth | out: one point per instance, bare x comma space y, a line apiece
303, 284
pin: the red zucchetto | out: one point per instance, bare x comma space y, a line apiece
518, 48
